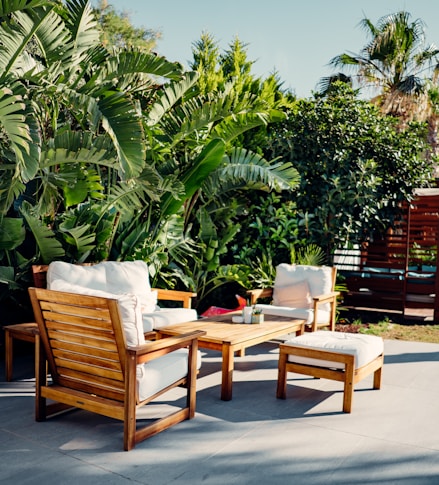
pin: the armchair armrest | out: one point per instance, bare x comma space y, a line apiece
259, 293
326, 297
175, 295
152, 350
330, 298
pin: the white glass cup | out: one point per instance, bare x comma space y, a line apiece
247, 314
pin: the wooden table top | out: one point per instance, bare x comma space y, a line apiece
221, 329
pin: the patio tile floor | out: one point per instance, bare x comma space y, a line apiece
392, 435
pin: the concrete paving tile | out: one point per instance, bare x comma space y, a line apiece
390, 437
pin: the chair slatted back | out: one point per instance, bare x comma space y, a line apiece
83, 340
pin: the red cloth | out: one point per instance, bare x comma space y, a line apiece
216, 310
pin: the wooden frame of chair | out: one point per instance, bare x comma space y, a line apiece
330, 298
83, 340
348, 374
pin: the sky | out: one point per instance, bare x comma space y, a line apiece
295, 38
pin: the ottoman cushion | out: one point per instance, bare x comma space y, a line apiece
365, 348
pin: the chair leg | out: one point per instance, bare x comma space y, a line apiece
192, 379
348, 392
129, 425
281, 392
9, 349
40, 380
377, 378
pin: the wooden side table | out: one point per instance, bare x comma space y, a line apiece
27, 332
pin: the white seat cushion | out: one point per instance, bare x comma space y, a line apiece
162, 372
365, 348
303, 313
163, 317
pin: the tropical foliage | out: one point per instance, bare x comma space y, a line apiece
114, 152
355, 166
109, 151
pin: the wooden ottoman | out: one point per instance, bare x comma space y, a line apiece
344, 357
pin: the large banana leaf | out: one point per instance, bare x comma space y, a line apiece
10, 190
208, 160
77, 236
12, 233
171, 95
12, 121
132, 61
203, 117
122, 122
9, 6
245, 169
20, 130
15, 37
7, 277
233, 126
82, 25
50, 248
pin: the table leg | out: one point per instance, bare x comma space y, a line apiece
227, 372
9, 349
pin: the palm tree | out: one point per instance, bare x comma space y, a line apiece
395, 64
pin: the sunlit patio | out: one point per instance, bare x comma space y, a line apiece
392, 435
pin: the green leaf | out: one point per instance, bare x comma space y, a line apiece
50, 248
7, 276
123, 124
12, 233
208, 160
78, 236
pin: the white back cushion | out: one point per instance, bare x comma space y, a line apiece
129, 307
307, 314
296, 295
319, 279
129, 277
93, 277
126, 277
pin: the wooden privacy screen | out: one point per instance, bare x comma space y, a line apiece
397, 270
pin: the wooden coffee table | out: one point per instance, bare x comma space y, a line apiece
227, 337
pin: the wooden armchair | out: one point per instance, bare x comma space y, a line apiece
84, 340
301, 291
117, 278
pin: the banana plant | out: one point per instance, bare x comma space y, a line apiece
72, 127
